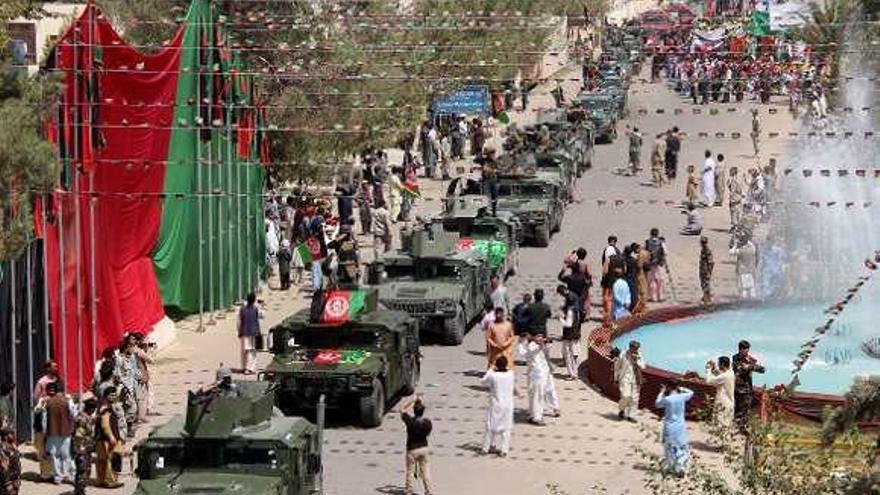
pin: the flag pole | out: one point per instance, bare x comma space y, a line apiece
198, 162
211, 199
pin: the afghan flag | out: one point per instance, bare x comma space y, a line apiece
411, 184
148, 157
343, 305
494, 251
305, 254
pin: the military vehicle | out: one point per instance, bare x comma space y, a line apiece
231, 444
471, 217
575, 136
535, 197
433, 280
555, 161
602, 111
349, 350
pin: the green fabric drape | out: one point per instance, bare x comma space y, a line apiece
212, 215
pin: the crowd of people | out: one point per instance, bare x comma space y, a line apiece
72, 430
783, 67
731, 378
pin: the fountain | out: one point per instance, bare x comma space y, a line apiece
810, 260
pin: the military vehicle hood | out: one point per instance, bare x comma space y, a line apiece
328, 362
427, 290
210, 483
516, 205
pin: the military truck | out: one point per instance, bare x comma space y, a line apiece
569, 134
347, 348
536, 198
602, 111
497, 236
231, 444
433, 280
538, 202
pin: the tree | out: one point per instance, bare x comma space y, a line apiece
27, 163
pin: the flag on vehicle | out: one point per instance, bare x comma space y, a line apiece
343, 305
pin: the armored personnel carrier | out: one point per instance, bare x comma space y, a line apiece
231, 443
348, 350
433, 280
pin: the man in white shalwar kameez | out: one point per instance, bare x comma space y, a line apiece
722, 378
628, 376
499, 416
707, 180
542, 389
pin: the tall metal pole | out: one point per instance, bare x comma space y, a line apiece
13, 340
230, 225
198, 165
45, 253
92, 203
210, 199
77, 222
30, 330
62, 299
210, 190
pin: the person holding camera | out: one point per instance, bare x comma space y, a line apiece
499, 417
542, 389
628, 377
418, 429
673, 400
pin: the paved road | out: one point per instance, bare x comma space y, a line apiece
587, 445
584, 448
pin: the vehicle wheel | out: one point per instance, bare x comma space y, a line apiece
453, 329
372, 407
542, 235
589, 165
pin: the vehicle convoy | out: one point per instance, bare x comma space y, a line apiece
433, 280
496, 236
231, 444
345, 347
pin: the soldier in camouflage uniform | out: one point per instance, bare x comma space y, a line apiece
84, 445
707, 265
10, 463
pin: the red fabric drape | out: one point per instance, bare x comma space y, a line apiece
117, 110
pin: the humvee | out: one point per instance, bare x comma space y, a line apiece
471, 218
231, 445
602, 111
350, 350
433, 280
571, 137
536, 198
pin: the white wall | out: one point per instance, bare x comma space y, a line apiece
60, 16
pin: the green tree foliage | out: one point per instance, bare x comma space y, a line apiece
337, 78
26, 159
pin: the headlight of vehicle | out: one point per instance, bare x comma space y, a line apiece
446, 306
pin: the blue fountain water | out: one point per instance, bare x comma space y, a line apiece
776, 334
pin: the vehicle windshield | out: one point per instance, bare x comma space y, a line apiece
523, 190
336, 337
597, 104
422, 270
220, 455
486, 232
